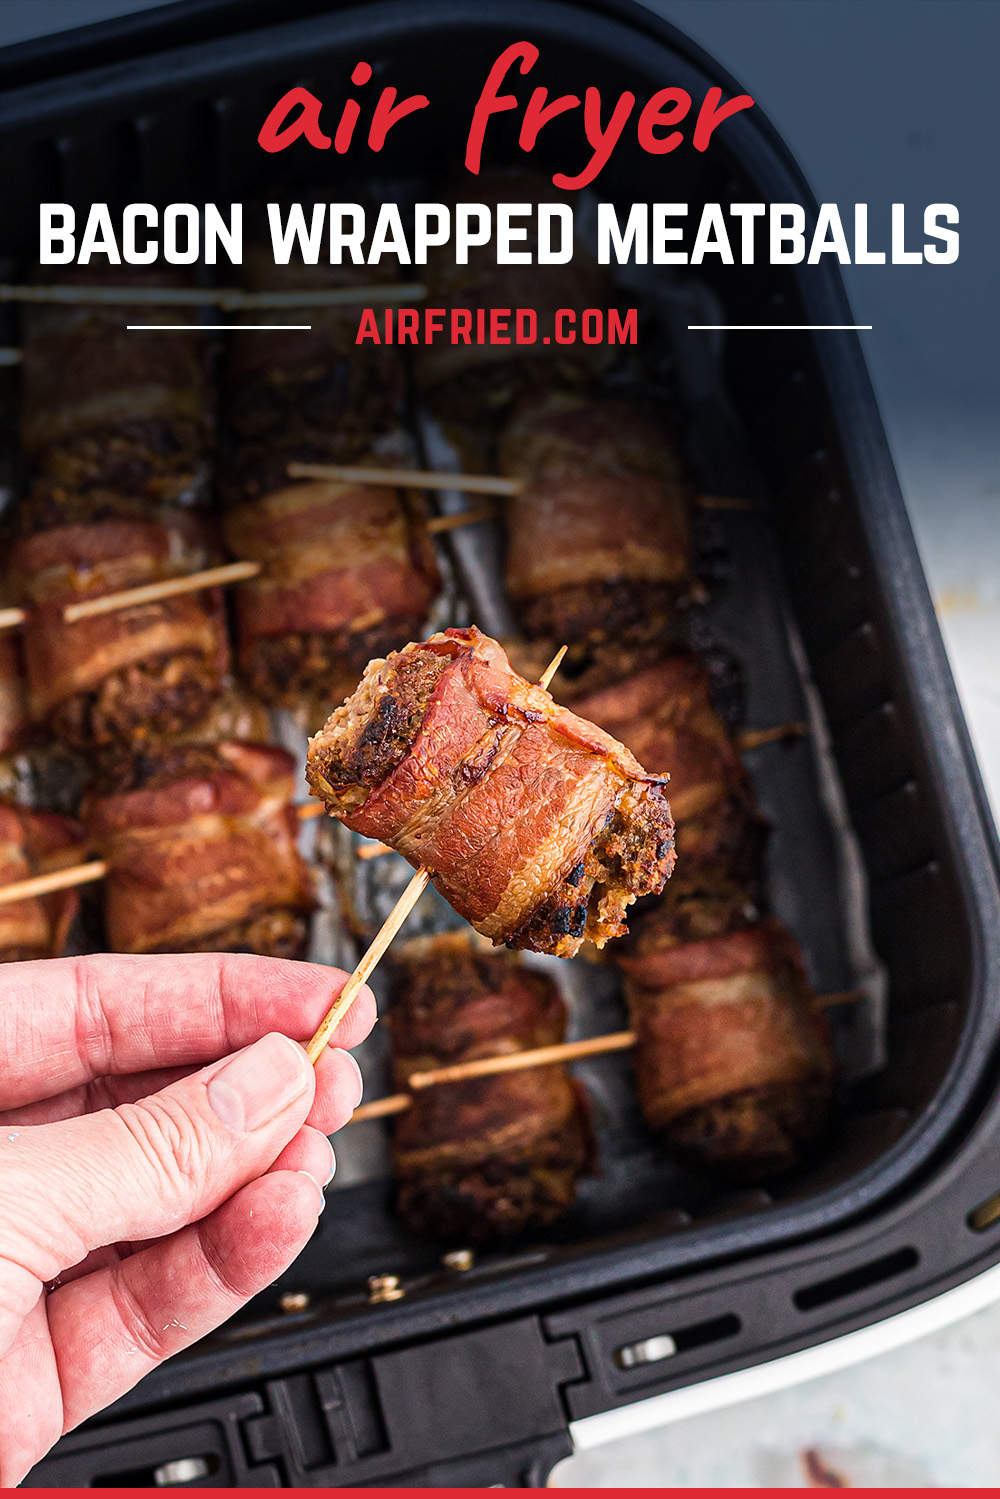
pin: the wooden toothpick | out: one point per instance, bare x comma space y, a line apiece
165, 588
539, 1056
59, 879
404, 905
553, 667
407, 478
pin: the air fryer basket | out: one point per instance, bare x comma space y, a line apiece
885, 862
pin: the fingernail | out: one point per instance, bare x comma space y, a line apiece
333, 1165
322, 1195
361, 1081
258, 1083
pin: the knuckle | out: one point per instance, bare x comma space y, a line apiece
94, 1037
138, 1329
170, 1141
218, 1271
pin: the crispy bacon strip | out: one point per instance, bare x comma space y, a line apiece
494, 1156
537, 826
733, 1057
666, 718
133, 673
605, 499
33, 843
349, 573
201, 844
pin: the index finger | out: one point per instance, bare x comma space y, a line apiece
65, 1021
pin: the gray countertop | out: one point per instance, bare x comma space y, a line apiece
848, 84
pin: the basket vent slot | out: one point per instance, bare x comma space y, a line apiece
683, 1340
858, 1279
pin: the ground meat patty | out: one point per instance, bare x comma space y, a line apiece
33, 843
538, 827
201, 844
131, 674
689, 910
235, 714
491, 1157
319, 665
733, 1057
281, 932
595, 616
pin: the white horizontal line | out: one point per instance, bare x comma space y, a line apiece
773, 327
214, 327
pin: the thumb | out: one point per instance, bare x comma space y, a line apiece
145, 1169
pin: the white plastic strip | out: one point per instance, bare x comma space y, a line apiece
795, 1368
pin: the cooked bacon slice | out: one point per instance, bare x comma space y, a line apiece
666, 718
349, 574
733, 1057
201, 843
490, 1157
133, 673
109, 414
33, 843
538, 827
13, 696
471, 381
599, 550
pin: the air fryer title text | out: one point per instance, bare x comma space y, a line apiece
658, 233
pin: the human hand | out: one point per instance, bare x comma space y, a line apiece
145, 1196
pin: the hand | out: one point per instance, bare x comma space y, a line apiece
145, 1196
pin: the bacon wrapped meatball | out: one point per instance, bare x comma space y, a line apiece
665, 716
131, 674
599, 549
349, 573
472, 377
112, 420
33, 843
540, 829
312, 394
734, 1059
201, 844
494, 1156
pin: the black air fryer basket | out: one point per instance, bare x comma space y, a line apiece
889, 875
